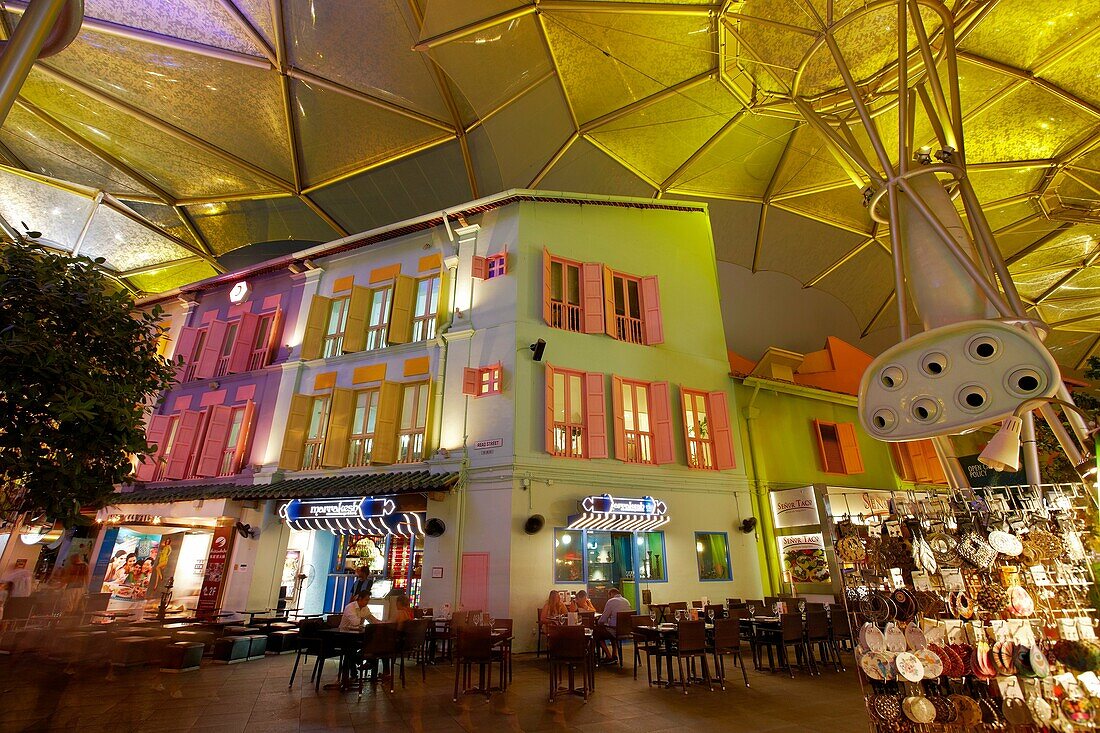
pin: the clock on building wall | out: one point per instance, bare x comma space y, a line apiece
240, 292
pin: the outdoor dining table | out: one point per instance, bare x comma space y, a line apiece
350, 643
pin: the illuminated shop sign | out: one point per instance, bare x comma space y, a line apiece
362, 508
804, 558
607, 504
618, 514
794, 507
364, 515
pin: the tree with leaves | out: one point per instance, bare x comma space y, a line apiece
78, 369
1054, 465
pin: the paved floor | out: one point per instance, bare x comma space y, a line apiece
38, 695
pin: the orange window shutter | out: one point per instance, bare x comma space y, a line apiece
917, 460
314, 334
217, 432
335, 454
355, 330
936, 473
274, 336
244, 437
294, 436
211, 350
480, 267
186, 434
595, 415
154, 434
547, 277
617, 421
470, 380
720, 430
610, 328
429, 412
903, 464
654, 329
660, 416
242, 344
592, 302
849, 447
401, 313
548, 409
821, 445
385, 425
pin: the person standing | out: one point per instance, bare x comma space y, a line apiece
363, 581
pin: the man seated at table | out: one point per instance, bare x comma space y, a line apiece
356, 613
605, 625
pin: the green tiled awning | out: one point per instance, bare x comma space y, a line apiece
347, 485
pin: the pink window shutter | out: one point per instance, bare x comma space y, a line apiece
660, 414
154, 433
470, 379
185, 344
592, 297
617, 417
186, 434
480, 267
546, 278
211, 350
549, 409
595, 415
244, 438
720, 430
217, 432
242, 345
651, 311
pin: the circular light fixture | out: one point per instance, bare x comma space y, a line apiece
240, 292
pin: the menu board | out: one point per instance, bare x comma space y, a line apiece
804, 558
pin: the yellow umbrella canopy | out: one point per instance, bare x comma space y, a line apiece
219, 123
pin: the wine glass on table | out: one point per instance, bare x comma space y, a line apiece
802, 606
752, 611
652, 617
710, 614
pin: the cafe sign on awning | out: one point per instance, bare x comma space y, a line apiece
620, 514
364, 515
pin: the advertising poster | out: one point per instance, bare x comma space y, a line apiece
804, 558
794, 507
217, 561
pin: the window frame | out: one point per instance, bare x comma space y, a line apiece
646, 438
332, 344
232, 441
407, 451
628, 328
583, 550
837, 428
423, 324
564, 315
698, 560
201, 334
565, 427
232, 328
377, 332
319, 441
706, 442
363, 437
494, 384
259, 355
496, 265
166, 446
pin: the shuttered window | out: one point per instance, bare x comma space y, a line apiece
563, 294
916, 461
379, 317
482, 381
159, 433
335, 325
414, 419
838, 447
313, 451
708, 438
226, 350
576, 414
637, 431
262, 344
363, 422
628, 308
427, 308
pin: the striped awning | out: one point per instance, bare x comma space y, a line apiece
362, 515
617, 522
404, 524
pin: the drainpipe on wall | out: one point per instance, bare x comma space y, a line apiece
769, 575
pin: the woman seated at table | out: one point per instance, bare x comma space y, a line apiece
581, 603
553, 609
398, 610
356, 613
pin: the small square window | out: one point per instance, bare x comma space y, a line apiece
488, 380
495, 265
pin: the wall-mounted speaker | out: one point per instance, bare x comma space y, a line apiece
748, 525
435, 527
534, 523
538, 348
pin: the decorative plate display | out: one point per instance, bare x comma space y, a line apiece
915, 637
871, 637
936, 634
869, 664
933, 665
1041, 710
1078, 710
919, 709
910, 667
1038, 662
895, 638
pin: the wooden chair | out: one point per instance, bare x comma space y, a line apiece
502, 651
696, 604
691, 643
670, 612
569, 649
588, 619
791, 633
647, 642
414, 642
719, 611
309, 642
624, 631
817, 634
474, 645
727, 642
734, 602
380, 645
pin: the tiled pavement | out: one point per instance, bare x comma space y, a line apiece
38, 695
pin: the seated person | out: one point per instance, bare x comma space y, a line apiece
398, 610
581, 603
605, 624
552, 609
356, 613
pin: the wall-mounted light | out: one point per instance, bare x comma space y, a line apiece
1002, 453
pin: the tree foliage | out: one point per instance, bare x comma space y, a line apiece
78, 368
1054, 465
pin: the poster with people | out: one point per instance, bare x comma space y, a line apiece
139, 568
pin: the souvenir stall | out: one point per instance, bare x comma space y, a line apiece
972, 610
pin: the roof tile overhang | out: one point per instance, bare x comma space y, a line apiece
336, 487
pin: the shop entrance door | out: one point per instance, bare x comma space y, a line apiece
611, 564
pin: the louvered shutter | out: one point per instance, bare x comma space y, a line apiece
595, 415
154, 434
217, 433
849, 447
355, 329
480, 267
335, 454
610, 327
211, 350
617, 422
548, 410
720, 430
401, 314
243, 343
185, 344
384, 449
546, 283
244, 437
187, 433
314, 334
653, 327
294, 435
592, 296
661, 423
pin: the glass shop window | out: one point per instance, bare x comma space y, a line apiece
712, 554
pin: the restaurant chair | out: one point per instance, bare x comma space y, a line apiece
817, 633
727, 642
588, 619
329, 647
380, 646
414, 642
791, 633
770, 601
734, 602
815, 608
647, 641
17, 611
840, 627
719, 611
569, 648
474, 645
696, 604
670, 612
502, 650
309, 642
690, 644
624, 631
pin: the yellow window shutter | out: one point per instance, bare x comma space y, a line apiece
609, 303
429, 448
314, 335
335, 454
355, 330
404, 296
443, 312
294, 436
385, 425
